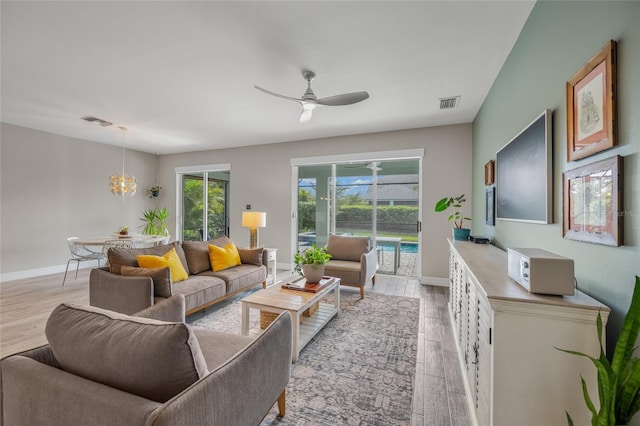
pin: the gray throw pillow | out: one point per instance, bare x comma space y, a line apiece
251, 256
119, 257
220, 241
152, 359
197, 253
161, 278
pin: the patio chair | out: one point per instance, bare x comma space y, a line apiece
80, 254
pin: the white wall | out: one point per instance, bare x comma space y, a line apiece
557, 40
54, 187
261, 176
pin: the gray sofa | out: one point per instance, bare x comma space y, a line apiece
106, 368
126, 288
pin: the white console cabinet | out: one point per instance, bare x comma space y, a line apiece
506, 337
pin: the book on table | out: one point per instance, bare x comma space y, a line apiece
301, 284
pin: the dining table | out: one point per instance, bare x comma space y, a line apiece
138, 240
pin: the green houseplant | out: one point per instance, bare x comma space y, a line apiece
155, 221
618, 380
154, 191
455, 203
311, 262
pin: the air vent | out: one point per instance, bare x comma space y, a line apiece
100, 121
449, 103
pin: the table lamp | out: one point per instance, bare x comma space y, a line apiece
253, 221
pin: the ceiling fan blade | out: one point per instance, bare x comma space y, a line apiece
277, 95
346, 99
306, 115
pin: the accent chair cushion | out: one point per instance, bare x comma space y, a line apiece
224, 257
342, 247
169, 259
149, 358
161, 278
119, 257
251, 256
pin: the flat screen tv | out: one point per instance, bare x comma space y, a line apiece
524, 174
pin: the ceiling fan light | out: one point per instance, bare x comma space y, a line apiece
306, 115
308, 106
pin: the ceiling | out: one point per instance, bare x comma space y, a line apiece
180, 75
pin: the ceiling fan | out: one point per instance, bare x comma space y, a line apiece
309, 100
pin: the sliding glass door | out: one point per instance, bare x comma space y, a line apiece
204, 206
379, 199
314, 205
397, 198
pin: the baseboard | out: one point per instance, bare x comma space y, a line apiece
31, 273
442, 282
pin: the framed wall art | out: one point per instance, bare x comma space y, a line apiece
592, 198
490, 211
489, 173
591, 105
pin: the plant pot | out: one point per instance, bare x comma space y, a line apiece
312, 272
461, 234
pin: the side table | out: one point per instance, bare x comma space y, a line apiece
271, 265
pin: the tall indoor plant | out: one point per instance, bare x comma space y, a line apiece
155, 221
618, 380
455, 203
311, 263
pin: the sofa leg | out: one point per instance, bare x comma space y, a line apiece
361, 292
264, 284
373, 280
281, 404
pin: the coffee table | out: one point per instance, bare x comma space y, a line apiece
276, 299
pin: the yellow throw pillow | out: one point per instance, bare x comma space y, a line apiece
224, 257
169, 259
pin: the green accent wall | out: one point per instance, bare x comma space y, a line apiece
557, 40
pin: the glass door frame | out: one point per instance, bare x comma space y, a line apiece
333, 160
204, 169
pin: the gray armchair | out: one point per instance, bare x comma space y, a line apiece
150, 372
352, 260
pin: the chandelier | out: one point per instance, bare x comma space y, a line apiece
122, 184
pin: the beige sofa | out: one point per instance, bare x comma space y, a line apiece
353, 260
126, 288
105, 368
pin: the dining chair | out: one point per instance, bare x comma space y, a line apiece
80, 253
119, 243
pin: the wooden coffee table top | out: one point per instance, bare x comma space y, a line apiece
291, 300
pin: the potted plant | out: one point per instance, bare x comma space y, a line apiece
123, 231
155, 221
618, 380
311, 262
154, 191
459, 232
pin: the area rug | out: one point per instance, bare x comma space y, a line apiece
358, 370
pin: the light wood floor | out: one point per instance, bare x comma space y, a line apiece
438, 397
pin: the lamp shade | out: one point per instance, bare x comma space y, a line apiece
254, 219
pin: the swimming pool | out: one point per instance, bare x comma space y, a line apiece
404, 247
305, 240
